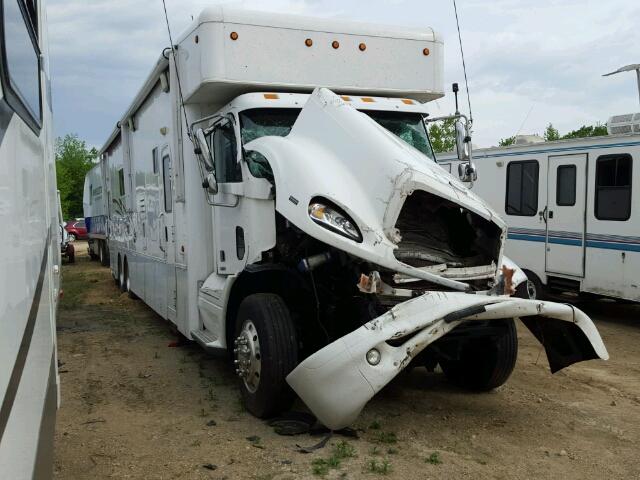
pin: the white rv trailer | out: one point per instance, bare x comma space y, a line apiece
96, 214
30, 254
309, 229
572, 208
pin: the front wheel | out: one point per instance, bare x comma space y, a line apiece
485, 363
265, 352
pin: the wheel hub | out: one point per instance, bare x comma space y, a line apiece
247, 356
531, 290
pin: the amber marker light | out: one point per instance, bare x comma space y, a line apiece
406, 101
234, 35
308, 42
335, 44
426, 52
345, 98
368, 99
362, 47
271, 96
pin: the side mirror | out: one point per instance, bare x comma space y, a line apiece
206, 157
463, 141
467, 172
203, 151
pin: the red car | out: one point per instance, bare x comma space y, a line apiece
76, 230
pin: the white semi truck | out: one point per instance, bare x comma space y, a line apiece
272, 192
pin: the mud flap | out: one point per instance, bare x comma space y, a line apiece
564, 342
337, 381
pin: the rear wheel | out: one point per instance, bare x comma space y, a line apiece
102, 254
485, 363
122, 275
265, 352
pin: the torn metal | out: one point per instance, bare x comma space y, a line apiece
337, 381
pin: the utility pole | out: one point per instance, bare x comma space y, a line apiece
629, 68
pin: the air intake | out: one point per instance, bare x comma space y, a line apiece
624, 124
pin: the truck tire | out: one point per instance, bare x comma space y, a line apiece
485, 362
266, 351
102, 254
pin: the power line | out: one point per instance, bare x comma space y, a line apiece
175, 63
464, 66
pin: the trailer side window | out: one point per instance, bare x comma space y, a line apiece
522, 188
21, 62
154, 160
166, 181
566, 186
225, 155
613, 187
121, 181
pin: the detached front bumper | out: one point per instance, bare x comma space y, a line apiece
337, 381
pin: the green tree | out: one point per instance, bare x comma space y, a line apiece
551, 133
73, 161
505, 142
588, 131
443, 136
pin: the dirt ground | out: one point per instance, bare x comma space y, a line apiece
135, 405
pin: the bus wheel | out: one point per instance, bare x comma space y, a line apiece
485, 363
265, 352
102, 254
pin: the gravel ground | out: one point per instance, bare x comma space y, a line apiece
139, 403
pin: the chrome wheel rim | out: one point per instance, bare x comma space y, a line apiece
531, 290
248, 360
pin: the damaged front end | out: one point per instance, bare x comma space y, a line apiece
399, 254
337, 381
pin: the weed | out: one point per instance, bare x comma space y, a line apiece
382, 467
203, 413
375, 425
343, 449
319, 466
196, 443
156, 355
433, 459
386, 437
375, 451
392, 451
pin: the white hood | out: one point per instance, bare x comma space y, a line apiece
340, 154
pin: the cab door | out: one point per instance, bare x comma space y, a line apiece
565, 214
228, 220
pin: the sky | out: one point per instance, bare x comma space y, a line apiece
528, 63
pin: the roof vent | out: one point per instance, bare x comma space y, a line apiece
624, 124
528, 139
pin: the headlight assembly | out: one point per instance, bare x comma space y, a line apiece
334, 219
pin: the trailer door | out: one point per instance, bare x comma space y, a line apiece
565, 214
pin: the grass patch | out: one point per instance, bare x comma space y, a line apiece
375, 425
386, 437
433, 459
340, 451
380, 467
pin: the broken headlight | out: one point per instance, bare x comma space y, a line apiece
334, 219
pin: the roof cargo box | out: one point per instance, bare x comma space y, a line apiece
231, 52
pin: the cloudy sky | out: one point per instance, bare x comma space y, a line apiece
529, 63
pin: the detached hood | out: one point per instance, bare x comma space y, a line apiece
337, 153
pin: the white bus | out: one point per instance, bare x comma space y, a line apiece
572, 208
308, 231
30, 254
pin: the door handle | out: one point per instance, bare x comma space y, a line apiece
550, 213
542, 214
